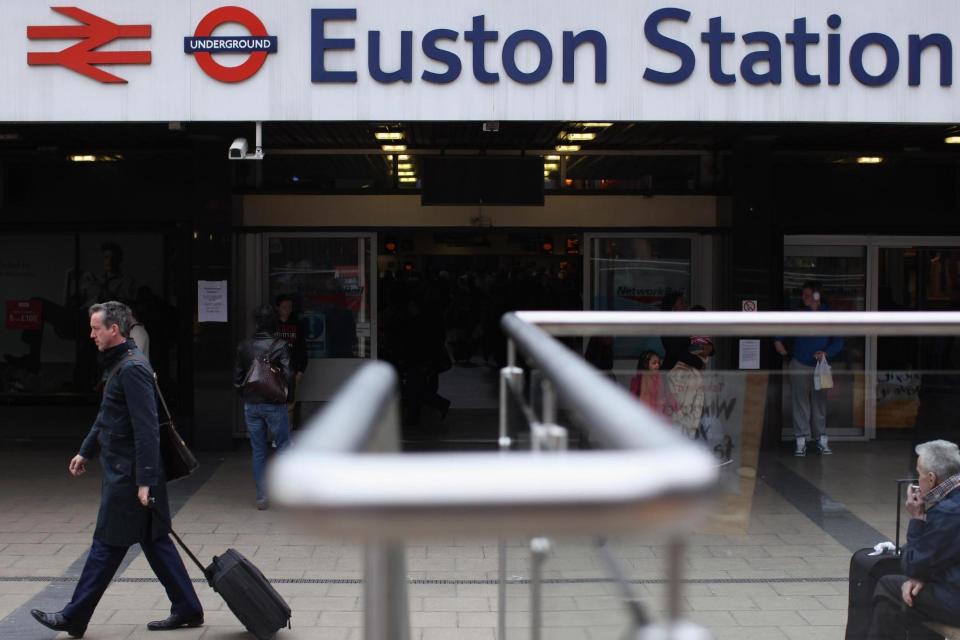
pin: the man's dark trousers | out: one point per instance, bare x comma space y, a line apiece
894, 620
102, 564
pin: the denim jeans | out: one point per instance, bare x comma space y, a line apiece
264, 420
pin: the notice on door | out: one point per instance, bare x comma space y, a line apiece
211, 300
749, 354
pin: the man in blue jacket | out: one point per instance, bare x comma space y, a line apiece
126, 433
809, 403
930, 588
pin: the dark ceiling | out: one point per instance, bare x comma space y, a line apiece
344, 155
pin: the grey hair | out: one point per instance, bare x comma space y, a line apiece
114, 313
940, 457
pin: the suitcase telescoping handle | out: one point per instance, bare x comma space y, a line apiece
900, 483
166, 521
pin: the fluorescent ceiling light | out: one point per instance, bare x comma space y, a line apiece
552, 158
388, 135
405, 166
579, 137
551, 166
408, 179
406, 174
83, 158
568, 148
952, 139
402, 158
869, 160
596, 125
394, 147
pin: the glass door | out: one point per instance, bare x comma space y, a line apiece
633, 273
331, 279
841, 271
918, 378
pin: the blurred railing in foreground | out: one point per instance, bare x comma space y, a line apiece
347, 476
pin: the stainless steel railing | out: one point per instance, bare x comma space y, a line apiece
347, 476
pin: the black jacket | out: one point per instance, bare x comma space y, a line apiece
127, 435
260, 343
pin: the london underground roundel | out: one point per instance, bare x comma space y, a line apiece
256, 46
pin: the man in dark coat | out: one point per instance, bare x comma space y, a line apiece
930, 586
127, 435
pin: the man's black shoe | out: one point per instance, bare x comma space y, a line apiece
57, 622
176, 622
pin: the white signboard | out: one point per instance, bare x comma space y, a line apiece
212, 301
379, 60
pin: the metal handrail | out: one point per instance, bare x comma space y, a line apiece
394, 496
737, 323
652, 477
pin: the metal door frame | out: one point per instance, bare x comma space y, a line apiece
701, 251
872, 245
370, 273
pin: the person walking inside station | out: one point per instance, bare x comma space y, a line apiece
262, 376
127, 433
809, 403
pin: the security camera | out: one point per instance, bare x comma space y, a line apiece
238, 150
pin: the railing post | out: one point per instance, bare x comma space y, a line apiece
509, 375
385, 603
545, 437
539, 549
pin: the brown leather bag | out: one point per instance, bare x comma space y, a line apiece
266, 380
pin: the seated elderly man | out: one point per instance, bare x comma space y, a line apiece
930, 590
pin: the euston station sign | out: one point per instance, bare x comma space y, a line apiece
737, 60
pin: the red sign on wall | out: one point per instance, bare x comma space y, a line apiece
24, 315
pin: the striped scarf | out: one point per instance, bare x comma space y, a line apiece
940, 491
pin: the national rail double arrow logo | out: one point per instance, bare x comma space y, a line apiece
84, 57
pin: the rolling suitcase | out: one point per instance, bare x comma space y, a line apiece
248, 594
865, 571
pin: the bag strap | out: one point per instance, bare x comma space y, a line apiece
186, 549
156, 384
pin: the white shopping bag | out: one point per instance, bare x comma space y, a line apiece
822, 376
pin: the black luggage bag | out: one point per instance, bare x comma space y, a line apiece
865, 571
248, 594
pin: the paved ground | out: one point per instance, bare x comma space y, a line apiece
779, 571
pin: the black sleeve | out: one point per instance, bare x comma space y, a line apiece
690, 359
140, 395
239, 369
298, 357
91, 443
676, 349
